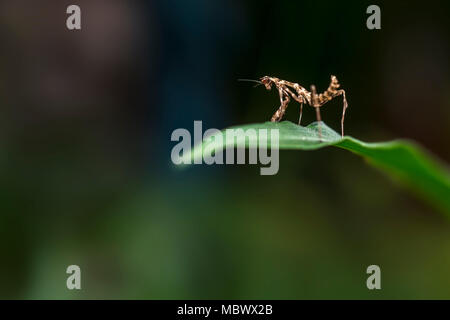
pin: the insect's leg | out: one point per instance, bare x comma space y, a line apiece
315, 103
284, 107
284, 100
343, 110
319, 120
301, 111
299, 99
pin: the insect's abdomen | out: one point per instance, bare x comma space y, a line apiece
330, 92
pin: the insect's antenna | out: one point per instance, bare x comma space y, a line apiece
251, 80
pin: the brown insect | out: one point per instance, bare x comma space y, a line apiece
288, 90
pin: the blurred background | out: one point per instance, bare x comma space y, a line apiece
85, 170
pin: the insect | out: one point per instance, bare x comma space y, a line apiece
288, 90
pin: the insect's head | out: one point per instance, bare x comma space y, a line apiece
267, 82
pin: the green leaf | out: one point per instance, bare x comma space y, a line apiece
403, 160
